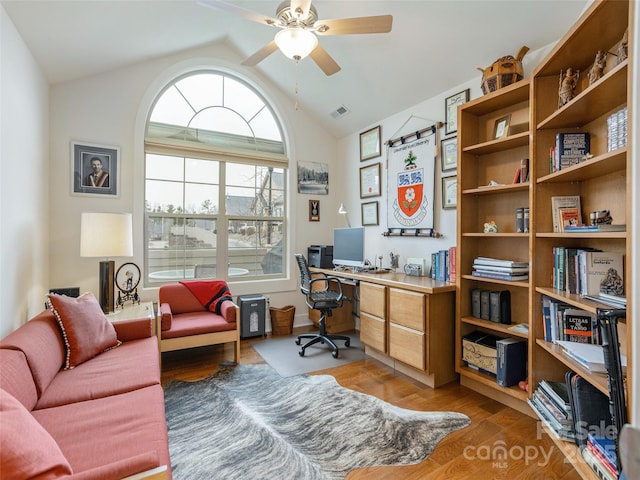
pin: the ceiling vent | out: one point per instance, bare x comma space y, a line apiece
341, 111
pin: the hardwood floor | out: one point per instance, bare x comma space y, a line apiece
500, 443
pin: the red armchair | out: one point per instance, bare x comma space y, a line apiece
197, 313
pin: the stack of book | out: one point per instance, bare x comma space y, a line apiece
617, 130
495, 268
570, 148
550, 401
562, 322
600, 454
443, 265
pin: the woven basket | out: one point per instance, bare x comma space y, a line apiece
282, 319
503, 72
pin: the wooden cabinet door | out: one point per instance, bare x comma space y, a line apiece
407, 345
407, 308
373, 332
373, 299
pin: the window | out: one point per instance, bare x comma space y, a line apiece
215, 183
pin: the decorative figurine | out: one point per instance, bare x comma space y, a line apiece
623, 48
601, 217
490, 227
395, 260
598, 67
567, 86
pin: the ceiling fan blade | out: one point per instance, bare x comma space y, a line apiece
358, 25
261, 54
239, 11
301, 6
327, 64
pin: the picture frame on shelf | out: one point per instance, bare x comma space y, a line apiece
449, 153
370, 144
95, 169
501, 127
370, 181
450, 192
451, 110
370, 214
314, 210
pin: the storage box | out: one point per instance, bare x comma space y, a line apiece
479, 350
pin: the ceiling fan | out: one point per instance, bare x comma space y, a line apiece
298, 23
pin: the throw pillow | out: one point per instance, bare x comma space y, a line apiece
86, 332
28, 450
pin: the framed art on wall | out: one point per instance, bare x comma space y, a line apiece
449, 153
370, 214
449, 192
94, 169
370, 181
370, 144
451, 110
314, 210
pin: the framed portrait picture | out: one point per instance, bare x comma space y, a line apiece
370, 213
501, 127
451, 110
370, 144
449, 192
94, 169
449, 153
370, 181
314, 210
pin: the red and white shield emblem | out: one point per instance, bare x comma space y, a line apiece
410, 189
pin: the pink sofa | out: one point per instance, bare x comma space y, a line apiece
102, 419
188, 321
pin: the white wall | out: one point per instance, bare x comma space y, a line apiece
111, 109
24, 185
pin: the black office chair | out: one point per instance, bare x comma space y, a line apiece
324, 300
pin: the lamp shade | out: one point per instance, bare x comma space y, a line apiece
296, 43
106, 235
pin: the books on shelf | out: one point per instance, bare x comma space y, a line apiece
601, 272
559, 202
499, 269
570, 149
501, 276
511, 358
589, 356
617, 129
579, 326
569, 217
595, 228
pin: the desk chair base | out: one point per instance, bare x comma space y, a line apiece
322, 337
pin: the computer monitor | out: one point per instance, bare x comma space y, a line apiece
348, 247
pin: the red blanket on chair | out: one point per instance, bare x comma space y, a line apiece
210, 293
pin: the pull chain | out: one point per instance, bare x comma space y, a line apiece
295, 90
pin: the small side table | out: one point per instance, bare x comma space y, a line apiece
134, 312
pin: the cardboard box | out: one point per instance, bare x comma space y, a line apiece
479, 351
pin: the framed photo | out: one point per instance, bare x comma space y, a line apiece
370, 181
94, 169
370, 144
450, 192
313, 178
501, 127
370, 213
451, 110
449, 153
314, 210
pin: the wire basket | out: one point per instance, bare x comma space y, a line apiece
282, 319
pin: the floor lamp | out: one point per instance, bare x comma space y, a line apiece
106, 235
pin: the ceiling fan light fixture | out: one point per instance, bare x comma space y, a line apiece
296, 43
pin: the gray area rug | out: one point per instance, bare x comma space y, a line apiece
248, 422
282, 354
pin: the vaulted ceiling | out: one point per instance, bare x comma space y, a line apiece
433, 46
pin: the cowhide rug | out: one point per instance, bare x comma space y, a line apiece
248, 422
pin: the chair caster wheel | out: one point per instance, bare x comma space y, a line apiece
301, 353
334, 354
347, 343
298, 341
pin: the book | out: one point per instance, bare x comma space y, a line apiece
501, 276
601, 272
519, 328
579, 326
557, 393
524, 170
596, 466
602, 460
496, 262
516, 177
590, 356
453, 270
569, 216
561, 415
571, 148
500, 306
546, 318
559, 202
491, 268
560, 433
520, 220
511, 358
606, 446
485, 306
475, 303
526, 219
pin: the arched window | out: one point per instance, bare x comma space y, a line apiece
215, 182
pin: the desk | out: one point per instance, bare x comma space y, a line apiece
407, 323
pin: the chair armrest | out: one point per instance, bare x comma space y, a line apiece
166, 317
228, 311
329, 279
126, 467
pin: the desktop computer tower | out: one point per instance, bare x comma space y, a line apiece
253, 309
320, 256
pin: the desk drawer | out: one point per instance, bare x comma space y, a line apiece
373, 299
407, 345
373, 332
407, 308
